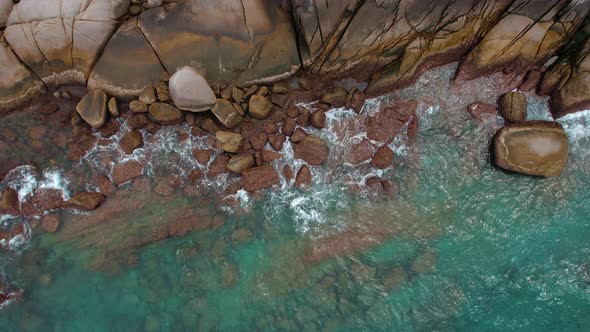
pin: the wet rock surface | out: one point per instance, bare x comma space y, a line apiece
260, 177
312, 150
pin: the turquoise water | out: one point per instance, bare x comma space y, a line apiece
463, 247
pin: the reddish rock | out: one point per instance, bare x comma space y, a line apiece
195, 175
388, 122
361, 152
219, 165
298, 135
9, 202
357, 101
288, 173
126, 171
258, 158
198, 132
37, 132
303, 118
278, 115
258, 141
268, 156
164, 188
478, 109
202, 155
50, 223
380, 187
382, 158
259, 177
303, 179
152, 128
137, 121
270, 127
289, 126
313, 150
240, 163
48, 199
318, 119
293, 112
277, 141
105, 185
142, 185
131, 141
248, 129
85, 200
109, 129
188, 221
80, 145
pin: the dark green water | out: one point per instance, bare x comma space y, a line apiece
468, 248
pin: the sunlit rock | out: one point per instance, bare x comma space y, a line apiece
533, 148
258, 178
190, 91
512, 106
166, 114
93, 108
313, 150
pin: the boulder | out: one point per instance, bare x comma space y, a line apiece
259, 107
288, 173
533, 148
47, 199
126, 171
9, 202
313, 150
226, 113
202, 155
298, 135
277, 141
166, 114
269, 156
131, 141
289, 126
387, 123
361, 152
478, 109
190, 91
148, 95
85, 200
137, 106
229, 141
50, 223
240, 163
303, 179
382, 158
513, 107
335, 96
113, 107
93, 108
219, 165
258, 141
260, 177
318, 119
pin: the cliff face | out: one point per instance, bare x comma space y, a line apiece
112, 45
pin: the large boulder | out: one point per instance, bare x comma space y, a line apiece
190, 91
60, 41
258, 178
93, 108
533, 148
513, 107
313, 150
259, 107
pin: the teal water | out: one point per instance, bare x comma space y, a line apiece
467, 247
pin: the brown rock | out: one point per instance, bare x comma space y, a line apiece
388, 122
303, 118
219, 165
152, 128
48, 199
335, 96
512, 106
148, 95
298, 135
478, 109
137, 106
293, 112
249, 92
533, 148
318, 119
259, 107
382, 158
9, 202
278, 99
303, 179
113, 107
313, 150
137, 121
226, 92
37, 132
195, 175
50, 223
93, 108
280, 87
226, 113
258, 158
288, 126
164, 188
85, 201
262, 91
288, 172
237, 94
277, 141
126, 171
240, 163
166, 114
229, 141
269, 155
259, 177
202, 155
131, 141
109, 129
258, 141
361, 152
105, 185
270, 127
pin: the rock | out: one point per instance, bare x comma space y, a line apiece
134, 10
260, 177
478, 109
5, 9
513, 107
229, 141
109, 129
293, 111
85, 201
126, 171
289, 126
166, 114
9, 202
277, 141
137, 121
303, 118
238, 109
313, 150
258, 141
113, 107
148, 95
105, 185
202, 155
318, 119
164, 188
259, 107
249, 92
395, 278
382, 158
47, 199
237, 94
227, 114
281, 87
153, 3
240, 163
241, 235
50, 223
387, 123
137, 106
298, 136
268, 156
303, 179
288, 173
190, 91
270, 127
533, 148
279, 100
93, 108
335, 96
131, 141
262, 91
219, 165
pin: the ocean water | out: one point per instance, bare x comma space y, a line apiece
463, 246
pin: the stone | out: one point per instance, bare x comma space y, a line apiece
126, 171
137, 106
288, 173
361, 152
288, 127
279, 100
293, 111
5, 9
270, 127
227, 114
280, 87
262, 91
9, 202
387, 123
277, 141
318, 119
229, 141
512, 106
93, 108
258, 141
148, 95
219, 165
533, 148
303, 179
240, 163
478, 110
138, 121
47, 199
395, 278
298, 135
335, 96
313, 150
260, 177
134, 10
202, 155
166, 114
238, 109
113, 107
249, 92
190, 91
50, 223
269, 155
131, 141
425, 262
85, 200
259, 107
382, 158
105, 185
237, 94
303, 118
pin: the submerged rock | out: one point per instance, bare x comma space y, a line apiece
478, 109
259, 177
533, 148
166, 114
131, 141
85, 200
93, 108
190, 91
513, 107
126, 171
9, 202
313, 150
50, 223
303, 179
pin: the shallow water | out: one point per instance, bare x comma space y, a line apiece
462, 247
